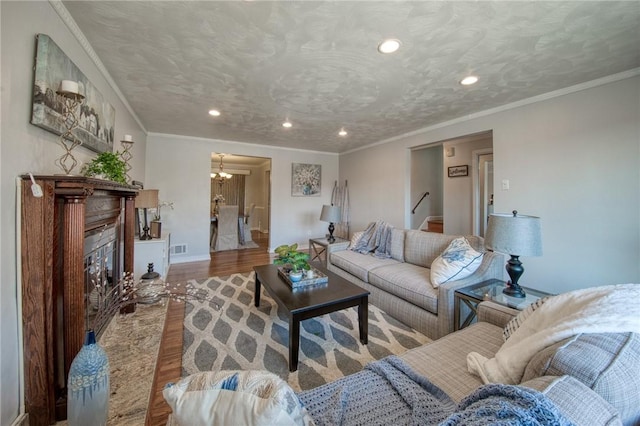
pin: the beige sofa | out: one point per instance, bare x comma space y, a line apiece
401, 285
591, 378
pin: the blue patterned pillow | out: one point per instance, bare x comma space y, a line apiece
458, 261
251, 397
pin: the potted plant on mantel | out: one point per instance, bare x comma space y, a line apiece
107, 165
293, 262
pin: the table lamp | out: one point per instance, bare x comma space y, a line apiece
146, 199
332, 215
515, 235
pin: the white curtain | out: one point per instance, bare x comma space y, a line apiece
340, 198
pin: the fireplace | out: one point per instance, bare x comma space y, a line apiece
79, 233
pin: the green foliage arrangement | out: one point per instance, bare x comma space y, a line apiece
290, 258
107, 165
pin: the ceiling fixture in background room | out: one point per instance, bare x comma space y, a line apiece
214, 112
467, 81
287, 124
221, 176
342, 132
389, 46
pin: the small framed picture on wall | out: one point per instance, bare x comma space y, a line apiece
457, 171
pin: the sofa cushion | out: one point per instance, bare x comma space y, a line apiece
421, 248
608, 363
408, 282
457, 261
358, 264
444, 361
578, 403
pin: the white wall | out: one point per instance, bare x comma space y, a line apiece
179, 167
27, 148
573, 160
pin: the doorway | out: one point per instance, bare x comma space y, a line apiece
483, 190
248, 186
448, 170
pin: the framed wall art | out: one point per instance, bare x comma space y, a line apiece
457, 171
306, 180
96, 117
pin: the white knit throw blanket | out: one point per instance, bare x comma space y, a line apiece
607, 309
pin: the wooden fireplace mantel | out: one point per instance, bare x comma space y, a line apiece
52, 239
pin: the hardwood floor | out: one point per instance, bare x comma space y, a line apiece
168, 367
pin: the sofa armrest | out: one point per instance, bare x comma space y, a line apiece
495, 313
492, 267
577, 402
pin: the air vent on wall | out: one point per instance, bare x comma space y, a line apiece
178, 249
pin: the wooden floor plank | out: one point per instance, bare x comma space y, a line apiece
169, 364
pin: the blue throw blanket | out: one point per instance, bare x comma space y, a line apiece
389, 392
376, 239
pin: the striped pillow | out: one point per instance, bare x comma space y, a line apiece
513, 325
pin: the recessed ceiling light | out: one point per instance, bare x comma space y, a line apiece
214, 112
342, 132
287, 124
472, 79
389, 46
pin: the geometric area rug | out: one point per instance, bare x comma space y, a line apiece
227, 332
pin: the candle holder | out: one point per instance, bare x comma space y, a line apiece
126, 155
68, 140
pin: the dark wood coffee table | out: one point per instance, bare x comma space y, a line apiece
312, 301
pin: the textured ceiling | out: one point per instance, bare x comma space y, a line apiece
316, 63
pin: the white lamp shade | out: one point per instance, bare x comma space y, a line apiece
331, 214
147, 199
514, 234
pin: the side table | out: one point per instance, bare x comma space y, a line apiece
319, 248
472, 295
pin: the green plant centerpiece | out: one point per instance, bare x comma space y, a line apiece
291, 259
107, 165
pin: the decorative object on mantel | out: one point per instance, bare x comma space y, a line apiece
306, 180
107, 165
127, 144
332, 215
71, 99
96, 117
516, 235
146, 199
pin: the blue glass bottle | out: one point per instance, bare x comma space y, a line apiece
88, 385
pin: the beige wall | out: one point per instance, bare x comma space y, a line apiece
27, 148
179, 167
572, 159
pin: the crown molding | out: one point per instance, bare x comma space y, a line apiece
77, 33
528, 101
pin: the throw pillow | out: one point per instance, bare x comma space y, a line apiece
457, 261
234, 397
516, 321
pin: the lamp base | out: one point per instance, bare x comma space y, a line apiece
514, 290
331, 239
515, 270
